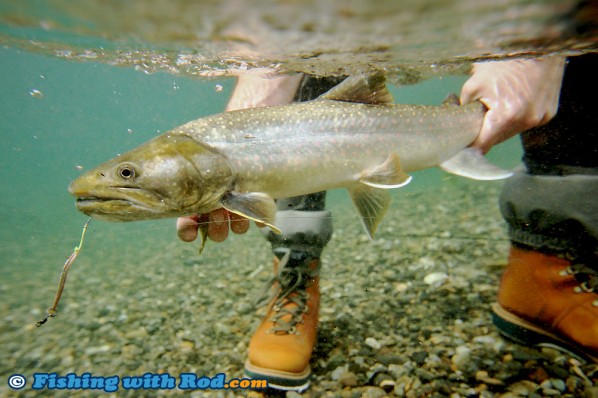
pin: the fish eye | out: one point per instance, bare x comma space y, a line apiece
126, 172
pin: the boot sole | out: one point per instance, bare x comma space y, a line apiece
526, 333
278, 379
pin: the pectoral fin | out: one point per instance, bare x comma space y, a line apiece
471, 163
255, 206
386, 175
203, 234
372, 204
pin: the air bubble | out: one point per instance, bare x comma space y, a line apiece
36, 94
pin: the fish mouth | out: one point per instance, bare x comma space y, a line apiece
116, 206
116, 194
96, 200
87, 199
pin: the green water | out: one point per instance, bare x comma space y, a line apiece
87, 113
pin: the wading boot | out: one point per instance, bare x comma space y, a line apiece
281, 348
547, 300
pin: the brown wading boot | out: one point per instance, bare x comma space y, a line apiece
281, 348
546, 300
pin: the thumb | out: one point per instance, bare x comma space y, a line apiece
470, 91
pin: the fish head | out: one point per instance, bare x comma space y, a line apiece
172, 175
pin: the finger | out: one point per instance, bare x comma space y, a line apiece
484, 139
495, 129
260, 224
187, 228
238, 224
473, 89
218, 227
468, 93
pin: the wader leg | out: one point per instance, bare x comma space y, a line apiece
548, 292
552, 204
552, 213
281, 348
305, 223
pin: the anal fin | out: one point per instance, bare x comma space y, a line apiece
371, 204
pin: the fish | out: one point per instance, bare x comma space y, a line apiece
352, 137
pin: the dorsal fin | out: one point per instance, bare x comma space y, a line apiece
365, 89
451, 99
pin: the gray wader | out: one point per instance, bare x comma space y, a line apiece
305, 223
552, 204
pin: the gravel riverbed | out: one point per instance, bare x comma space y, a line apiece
407, 315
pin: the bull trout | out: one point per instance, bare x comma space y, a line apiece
351, 137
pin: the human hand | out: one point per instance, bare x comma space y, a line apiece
519, 94
218, 223
252, 90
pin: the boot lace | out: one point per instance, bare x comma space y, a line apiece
586, 275
290, 284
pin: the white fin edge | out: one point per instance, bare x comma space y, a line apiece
374, 185
471, 163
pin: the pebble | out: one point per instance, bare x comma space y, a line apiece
462, 357
523, 387
591, 392
381, 333
419, 357
558, 384
339, 372
348, 379
482, 375
187, 346
387, 385
97, 350
435, 279
387, 359
374, 392
373, 343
